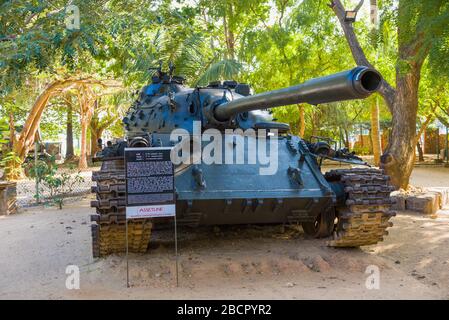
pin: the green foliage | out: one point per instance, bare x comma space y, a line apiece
406, 21
35, 36
53, 185
4, 128
268, 44
8, 159
362, 151
225, 68
11, 164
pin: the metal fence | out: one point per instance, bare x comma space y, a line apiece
30, 193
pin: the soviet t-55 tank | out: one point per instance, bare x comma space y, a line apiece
349, 206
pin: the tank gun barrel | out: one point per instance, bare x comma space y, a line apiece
357, 83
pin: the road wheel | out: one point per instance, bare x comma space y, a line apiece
323, 226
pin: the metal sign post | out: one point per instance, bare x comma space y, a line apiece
150, 189
176, 252
127, 259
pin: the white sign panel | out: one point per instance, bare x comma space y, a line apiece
136, 212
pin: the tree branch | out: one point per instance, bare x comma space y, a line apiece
386, 90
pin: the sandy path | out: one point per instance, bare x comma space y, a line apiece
430, 177
37, 245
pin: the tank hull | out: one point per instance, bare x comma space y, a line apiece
231, 193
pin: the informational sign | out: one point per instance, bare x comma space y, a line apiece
150, 189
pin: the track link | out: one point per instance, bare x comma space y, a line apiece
109, 222
364, 218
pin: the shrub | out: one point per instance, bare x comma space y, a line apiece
54, 185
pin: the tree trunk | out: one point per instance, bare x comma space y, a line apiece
94, 127
83, 149
88, 146
87, 104
398, 159
95, 134
375, 133
302, 120
86, 110
420, 152
420, 133
346, 137
229, 34
70, 153
98, 126
362, 144
93, 142
12, 131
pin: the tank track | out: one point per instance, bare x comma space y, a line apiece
109, 222
365, 216
362, 220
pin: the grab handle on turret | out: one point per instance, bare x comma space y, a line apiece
357, 83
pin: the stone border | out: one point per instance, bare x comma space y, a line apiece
428, 201
8, 198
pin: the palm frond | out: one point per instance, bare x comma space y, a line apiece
220, 70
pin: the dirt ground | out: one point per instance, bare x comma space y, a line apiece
430, 177
251, 262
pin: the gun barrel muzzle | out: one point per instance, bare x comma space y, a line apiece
357, 83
